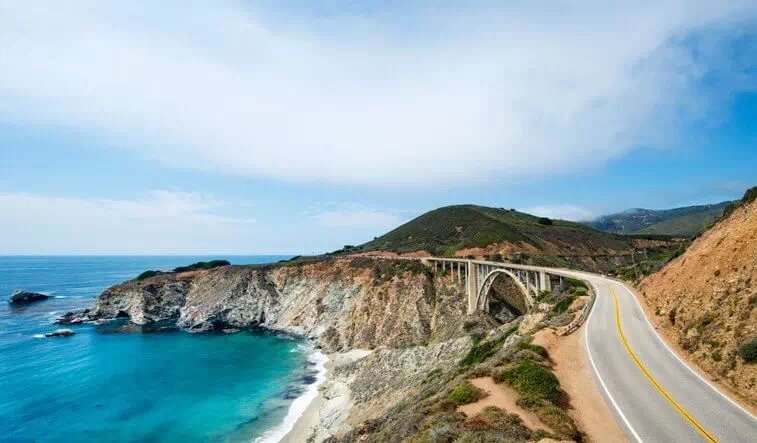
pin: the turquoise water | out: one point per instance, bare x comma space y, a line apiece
104, 384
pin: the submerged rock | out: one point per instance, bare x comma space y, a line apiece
22, 296
60, 333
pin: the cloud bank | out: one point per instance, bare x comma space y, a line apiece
405, 96
163, 222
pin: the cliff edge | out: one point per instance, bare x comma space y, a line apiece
706, 299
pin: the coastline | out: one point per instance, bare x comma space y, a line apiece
330, 400
301, 405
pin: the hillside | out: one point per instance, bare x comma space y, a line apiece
469, 230
687, 221
705, 301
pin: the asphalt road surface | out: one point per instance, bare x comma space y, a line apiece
656, 396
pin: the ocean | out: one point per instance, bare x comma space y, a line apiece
106, 385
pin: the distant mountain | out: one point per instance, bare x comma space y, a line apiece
455, 230
685, 221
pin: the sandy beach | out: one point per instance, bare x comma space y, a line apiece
331, 401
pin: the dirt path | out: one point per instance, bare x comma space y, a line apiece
588, 408
502, 397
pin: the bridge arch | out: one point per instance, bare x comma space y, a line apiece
490, 279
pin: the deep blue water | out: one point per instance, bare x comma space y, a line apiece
106, 385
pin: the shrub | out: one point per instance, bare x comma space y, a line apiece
470, 324
563, 305
717, 272
494, 425
532, 381
556, 419
672, 315
545, 221
526, 345
717, 355
202, 265
748, 351
148, 274
481, 352
466, 393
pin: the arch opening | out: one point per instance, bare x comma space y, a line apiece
503, 296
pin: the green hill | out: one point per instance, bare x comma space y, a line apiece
685, 221
449, 229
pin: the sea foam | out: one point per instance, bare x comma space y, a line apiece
298, 406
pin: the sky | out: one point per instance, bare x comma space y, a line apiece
296, 127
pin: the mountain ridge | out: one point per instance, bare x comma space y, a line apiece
684, 220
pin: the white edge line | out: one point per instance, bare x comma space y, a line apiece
596, 372
644, 314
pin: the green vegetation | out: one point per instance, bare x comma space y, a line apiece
385, 270
466, 393
480, 352
672, 315
202, 265
649, 266
748, 351
545, 221
563, 304
531, 381
148, 274
717, 355
749, 196
686, 221
449, 229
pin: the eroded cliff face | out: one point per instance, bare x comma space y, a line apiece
706, 300
344, 303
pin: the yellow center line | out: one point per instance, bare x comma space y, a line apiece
654, 382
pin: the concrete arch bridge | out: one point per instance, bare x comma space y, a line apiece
479, 277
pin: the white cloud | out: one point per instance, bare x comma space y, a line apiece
452, 96
358, 216
563, 212
162, 222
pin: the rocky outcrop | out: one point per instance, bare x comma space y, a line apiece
706, 300
60, 333
343, 303
22, 296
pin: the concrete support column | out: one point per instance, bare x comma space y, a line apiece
472, 286
544, 284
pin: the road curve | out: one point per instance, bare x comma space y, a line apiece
655, 395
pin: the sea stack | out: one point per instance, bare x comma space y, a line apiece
22, 296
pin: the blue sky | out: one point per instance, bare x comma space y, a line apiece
298, 127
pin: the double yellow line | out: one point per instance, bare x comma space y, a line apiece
654, 382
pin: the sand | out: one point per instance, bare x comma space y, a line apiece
504, 398
309, 424
588, 408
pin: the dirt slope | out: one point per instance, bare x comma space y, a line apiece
706, 300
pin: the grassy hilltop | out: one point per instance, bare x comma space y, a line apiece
449, 229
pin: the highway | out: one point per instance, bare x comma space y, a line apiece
654, 394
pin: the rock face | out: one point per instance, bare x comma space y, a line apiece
60, 333
706, 300
344, 303
21, 296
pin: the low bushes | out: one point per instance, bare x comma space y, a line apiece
531, 381
148, 274
748, 351
466, 393
480, 352
202, 265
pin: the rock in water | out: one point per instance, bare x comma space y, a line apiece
60, 333
73, 318
21, 296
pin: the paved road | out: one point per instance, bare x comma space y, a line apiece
656, 396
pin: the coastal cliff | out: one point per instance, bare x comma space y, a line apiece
344, 304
